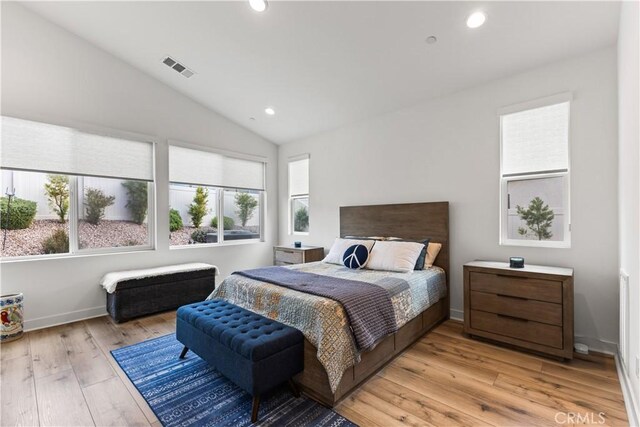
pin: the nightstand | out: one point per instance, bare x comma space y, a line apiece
530, 307
286, 255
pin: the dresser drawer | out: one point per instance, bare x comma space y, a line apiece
539, 311
516, 286
290, 257
526, 330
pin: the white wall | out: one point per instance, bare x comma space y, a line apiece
448, 149
50, 74
629, 179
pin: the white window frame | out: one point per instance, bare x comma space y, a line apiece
219, 202
504, 240
293, 197
73, 226
292, 200
74, 206
73, 216
261, 199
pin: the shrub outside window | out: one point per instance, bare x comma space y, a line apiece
114, 213
300, 210
243, 209
98, 198
194, 208
299, 194
535, 173
35, 221
193, 214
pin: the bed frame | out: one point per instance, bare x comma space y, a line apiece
414, 221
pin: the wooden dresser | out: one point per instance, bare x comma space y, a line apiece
529, 307
286, 255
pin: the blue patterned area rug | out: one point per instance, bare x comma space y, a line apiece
188, 392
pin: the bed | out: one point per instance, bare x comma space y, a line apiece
334, 364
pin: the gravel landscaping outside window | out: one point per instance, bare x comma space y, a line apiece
29, 241
107, 234
182, 236
111, 234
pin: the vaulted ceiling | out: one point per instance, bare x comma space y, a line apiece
324, 64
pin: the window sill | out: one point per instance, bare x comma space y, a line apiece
217, 245
300, 233
29, 258
536, 244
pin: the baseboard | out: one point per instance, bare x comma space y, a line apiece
630, 400
61, 319
598, 345
456, 314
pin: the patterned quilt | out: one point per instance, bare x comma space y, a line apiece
323, 321
368, 306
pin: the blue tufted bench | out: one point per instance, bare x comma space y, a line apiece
253, 351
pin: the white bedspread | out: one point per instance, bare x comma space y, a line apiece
110, 280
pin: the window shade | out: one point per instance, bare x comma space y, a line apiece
188, 166
299, 177
536, 140
34, 146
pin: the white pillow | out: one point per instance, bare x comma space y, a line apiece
394, 256
432, 252
341, 245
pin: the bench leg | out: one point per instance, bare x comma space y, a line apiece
254, 409
184, 352
294, 389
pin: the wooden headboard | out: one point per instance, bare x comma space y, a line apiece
412, 221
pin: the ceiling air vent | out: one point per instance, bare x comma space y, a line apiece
170, 62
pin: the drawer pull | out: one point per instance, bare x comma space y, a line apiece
512, 297
512, 276
286, 252
512, 318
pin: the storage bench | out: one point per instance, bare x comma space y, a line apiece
254, 352
143, 292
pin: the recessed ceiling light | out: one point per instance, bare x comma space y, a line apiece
431, 39
269, 111
476, 19
258, 5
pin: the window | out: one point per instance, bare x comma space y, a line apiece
535, 173
299, 194
204, 184
205, 214
67, 191
113, 213
244, 207
31, 225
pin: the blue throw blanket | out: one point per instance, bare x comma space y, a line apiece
368, 306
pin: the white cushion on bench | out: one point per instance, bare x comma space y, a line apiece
110, 280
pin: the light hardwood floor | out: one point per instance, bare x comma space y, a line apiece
65, 375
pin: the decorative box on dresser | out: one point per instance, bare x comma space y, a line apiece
286, 255
530, 307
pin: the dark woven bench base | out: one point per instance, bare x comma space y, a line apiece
141, 297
